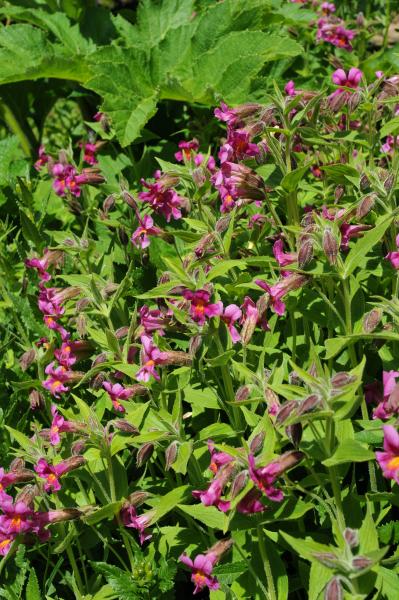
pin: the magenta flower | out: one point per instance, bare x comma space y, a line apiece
290, 88
348, 80
50, 473
89, 155
327, 8
5, 543
212, 495
57, 377
389, 459
140, 237
237, 147
65, 356
58, 425
226, 114
218, 459
393, 257
50, 257
140, 522
350, 231
389, 404
231, 314
334, 32
276, 292
251, 503
7, 479
200, 307
151, 356
162, 198
265, 477
283, 258
117, 392
16, 517
153, 320
185, 150
201, 571
390, 143
238, 181
43, 158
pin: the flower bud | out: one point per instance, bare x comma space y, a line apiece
360, 20
342, 379
195, 344
333, 590
81, 325
82, 304
171, 454
339, 192
222, 224
36, 400
257, 442
27, 494
389, 181
371, 320
108, 203
294, 433
305, 251
239, 483
62, 514
218, 549
73, 462
364, 182
97, 381
199, 177
17, 464
285, 411
27, 359
78, 447
137, 498
242, 393
330, 246
328, 559
123, 237
351, 537
309, 404
172, 357
100, 358
365, 206
361, 562
144, 453
125, 427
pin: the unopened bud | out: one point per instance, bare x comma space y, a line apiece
330, 246
285, 411
125, 426
27, 359
195, 344
123, 237
73, 462
309, 404
294, 433
220, 548
82, 304
121, 332
351, 537
333, 590
239, 483
361, 562
328, 559
137, 498
305, 252
171, 454
108, 203
81, 325
144, 453
339, 192
360, 20
257, 442
365, 205
36, 400
98, 380
172, 357
371, 320
78, 447
364, 182
342, 379
389, 181
222, 224
199, 177
100, 358
17, 464
62, 514
27, 494
242, 393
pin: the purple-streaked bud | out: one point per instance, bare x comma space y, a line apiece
69, 242
36, 400
242, 393
294, 433
351, 537
342, 379
82, 304
63, 514
354, 100
218, 549
222, 224
288, 460
98, 380
125, 427
73, 462
123, 237
330, 246
285, 411
389, 181
262, 304
371, 320
360, 20
108, 203
333, 590
28, 494
81, 325
121, 332
17, 464
171, 454
27, 359
309, 404
137, 498
173, 357
339, 192
328, 559
199, 177
78, 447
364, 182
256, 443
164, 278
361, 562
239, 483
144, 453
365, 205
305, 251
195, 344
100, 358
138, 390
272, 400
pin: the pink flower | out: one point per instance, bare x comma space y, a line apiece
5, 543
57, 377
348, 80
200, 307
58, 425
185, 150
212, 495
64, 355
162, 198
277, 291
43, 158
290, 88
153, 320
151, 356
140, 522
117, 392
389, 459
201, 571
231, 314
334, 32
250, 312
218, 459
16, 517
89, 155
390, 143
283, 258
50, 257
251, 503
50, 473
265, 477
389, 404
237, 147
146, 228
393, 257
350, 231
327, 8
226, 114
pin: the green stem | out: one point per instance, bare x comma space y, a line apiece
330, 435
12, 123
387, 22
266, 564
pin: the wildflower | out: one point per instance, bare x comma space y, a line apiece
238, 182
64, 355
131, 519
327, 8
201, 571
251, 503
185, 150
236, 117
334, 32
389, 459
212, 495
218, 459
393, 257
58, 425
390, 143
350, 231
57, 377
151, 356
389, 403
231, 314
7, 479
16, 517
283, 258
162, 198
43, 158
200, 307
50, 257
140, 237
89, 155
5, 543
348, 80
265, 477
290, 88
153, 320
51, 473
237, 147
117, 392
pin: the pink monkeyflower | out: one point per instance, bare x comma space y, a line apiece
237, 147
327, 8
346, 80
162, 198
140, 237
389, 459
290, 88
226, 114
228, 202
50, 473
283, 258
390, 144
64, 355
153, 320
388, 404
98, 116
239, 182
131, 519
231, 314
212, 495
290, 282
251, 503
10, 478
89, 155
251, 312
265, 477
350, 231
185, 150
201, 571
50, 257
200, 307
151, 356
334, 32
16, 517
58, 425
43, 158
117, 392
393, 257
218, 459
256, 220
5, 543
57, 377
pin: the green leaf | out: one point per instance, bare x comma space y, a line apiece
221, 360
168, 502
21, 438
306, 547
32, 587
208, 515
363, 246
105, 512
349, 451
183, 454
390, 127
121, 582
291, 180
340, 173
